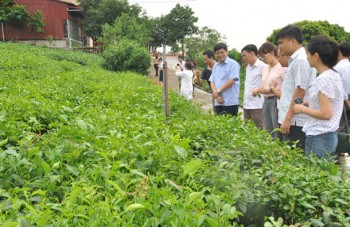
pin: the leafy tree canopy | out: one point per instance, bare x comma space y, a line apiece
100, 12
312, 28
204, 40
125, 27
179, 23
36, 22
16, 16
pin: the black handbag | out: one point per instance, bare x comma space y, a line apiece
344, 138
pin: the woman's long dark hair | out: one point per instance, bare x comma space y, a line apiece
325, 48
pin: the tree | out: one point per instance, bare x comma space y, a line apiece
179, 23
36, 22
312, 28
125, 27
127, 55
17, 17
100, 12
205, 40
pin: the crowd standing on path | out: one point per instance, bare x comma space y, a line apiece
297, 94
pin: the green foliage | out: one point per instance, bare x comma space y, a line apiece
204, 40
125, 27
82, 146
127, 55
179, 23
5, 6
312, 28
17, 16
36, 22
101, 12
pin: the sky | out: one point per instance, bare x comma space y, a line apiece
251, 21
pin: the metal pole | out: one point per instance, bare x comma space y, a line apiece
165, 84
3, 32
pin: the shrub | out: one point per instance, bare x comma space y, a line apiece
127, 55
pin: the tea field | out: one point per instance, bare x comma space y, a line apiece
82, 146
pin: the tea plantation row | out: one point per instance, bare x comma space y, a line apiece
84, 146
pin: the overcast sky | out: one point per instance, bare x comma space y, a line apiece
251, 21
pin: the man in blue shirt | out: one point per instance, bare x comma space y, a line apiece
224, 82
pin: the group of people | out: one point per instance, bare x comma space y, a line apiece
295, 93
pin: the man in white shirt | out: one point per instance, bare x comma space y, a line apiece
343, 68
252, 106
296, 82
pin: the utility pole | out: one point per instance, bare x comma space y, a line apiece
165, 75
3, 32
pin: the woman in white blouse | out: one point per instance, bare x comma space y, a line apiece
186, 76
326, 99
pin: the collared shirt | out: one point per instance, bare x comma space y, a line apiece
328, 83
299, 74
253, 80
343, 67
222, 72
275, 73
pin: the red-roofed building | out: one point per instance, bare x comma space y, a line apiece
63, 20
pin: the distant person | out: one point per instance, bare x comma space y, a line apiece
343, 67
326, 99
155, 61
252, 104
224, 82
195, 73
273, 71
180, 64
161, 72
208, 59
186, 76
295, 84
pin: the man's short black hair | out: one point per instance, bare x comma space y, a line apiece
250, 48
344, 48
291, 31
209, 53
220, 46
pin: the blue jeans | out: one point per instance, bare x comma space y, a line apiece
323, 145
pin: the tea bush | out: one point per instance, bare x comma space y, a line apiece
80, 145
127, 55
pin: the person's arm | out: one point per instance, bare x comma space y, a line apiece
324, 113
275, 91
179, 73
217, 94
285, 126
200, 81
216, 91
